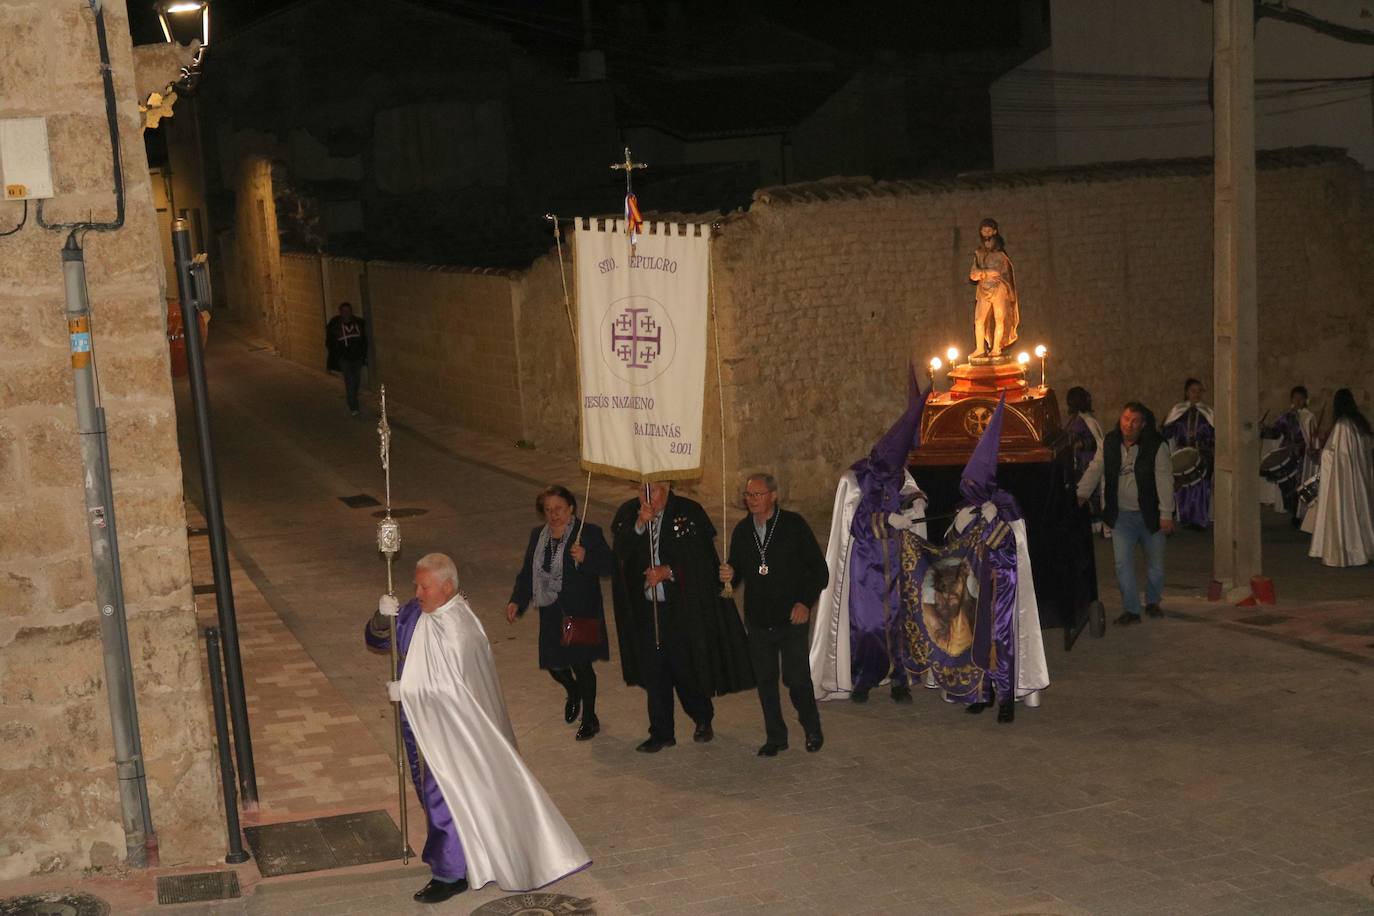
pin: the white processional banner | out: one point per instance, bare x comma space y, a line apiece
642, 341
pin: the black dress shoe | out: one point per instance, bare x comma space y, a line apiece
703, 733
901, 693
1126, 619
654, 745
814, 742
588, 730
771, 750
437, 891
859, 695
974, 709
1154, 610
1006, 712
571, 709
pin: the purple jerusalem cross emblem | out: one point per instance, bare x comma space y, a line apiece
636, 338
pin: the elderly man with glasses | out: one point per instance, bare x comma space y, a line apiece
775, 555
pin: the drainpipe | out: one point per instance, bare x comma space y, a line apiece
139, 840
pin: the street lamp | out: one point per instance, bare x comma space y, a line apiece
1043, 352
185, 21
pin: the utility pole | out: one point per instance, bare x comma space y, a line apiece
214, 517
1235, 320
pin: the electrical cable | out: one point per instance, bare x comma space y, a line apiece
22, 220
112, 121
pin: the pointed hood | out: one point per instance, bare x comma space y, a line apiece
978, 483
980, 474
881, 474
889, 454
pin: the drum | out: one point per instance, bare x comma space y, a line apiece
1308, 491
1281, 465
1188, 467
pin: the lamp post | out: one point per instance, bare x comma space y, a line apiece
1043, 352
184, 21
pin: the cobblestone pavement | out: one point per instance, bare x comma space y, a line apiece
1181, 766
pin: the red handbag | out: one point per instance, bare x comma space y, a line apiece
580, 631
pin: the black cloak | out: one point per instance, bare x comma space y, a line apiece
699, 627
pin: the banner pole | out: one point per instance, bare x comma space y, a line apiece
727, 590
389, 544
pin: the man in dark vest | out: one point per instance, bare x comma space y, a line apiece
1137, 475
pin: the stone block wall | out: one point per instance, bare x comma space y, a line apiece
252, 253
302, 304
445, 340
826, 291
58, 799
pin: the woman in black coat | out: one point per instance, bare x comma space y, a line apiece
562, 577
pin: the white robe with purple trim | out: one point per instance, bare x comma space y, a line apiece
511, 832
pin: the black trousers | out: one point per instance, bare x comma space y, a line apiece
352, 375
766, 646
580, 682
665, 672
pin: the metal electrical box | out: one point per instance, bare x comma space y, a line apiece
25, 166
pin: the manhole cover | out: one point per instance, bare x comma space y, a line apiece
210, 885
401, 513
1352, 629
54, 905
538, 905
1263, 620
359, 501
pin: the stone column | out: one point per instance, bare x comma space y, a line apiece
1235, 325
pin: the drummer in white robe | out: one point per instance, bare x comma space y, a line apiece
1341, 521
510, 831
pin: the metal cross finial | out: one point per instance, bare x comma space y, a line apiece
384, 434
388, 532
628, 167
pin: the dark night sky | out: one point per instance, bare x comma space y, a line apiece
555, 25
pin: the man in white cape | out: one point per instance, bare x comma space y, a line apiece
504, 827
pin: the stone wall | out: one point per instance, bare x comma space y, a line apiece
302, 304
445, 339
252, 253
58, 799
827, 290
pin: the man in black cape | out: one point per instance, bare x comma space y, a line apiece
674, 629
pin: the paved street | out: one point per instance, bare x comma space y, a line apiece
1183, 766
